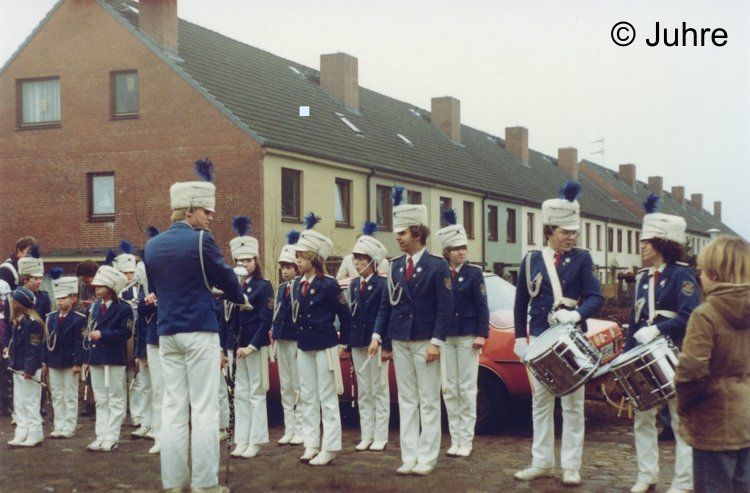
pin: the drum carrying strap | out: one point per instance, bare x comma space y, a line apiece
335, 366
8, 265
554, 280
652, 311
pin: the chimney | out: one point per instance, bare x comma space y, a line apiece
679, 194
717, 209
339, 74
446, 114
517, 142
656, 184
697, 200
158, 19
627, 174
567, 160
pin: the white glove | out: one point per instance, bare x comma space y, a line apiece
521, 347
246, 306
567, 316
647, 334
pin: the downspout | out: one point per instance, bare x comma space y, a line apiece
606, 250
369, 175
484, 231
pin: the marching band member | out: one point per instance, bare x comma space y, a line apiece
111, 325
317, 300
666, 294
138, 381
64, 353
560, 288
465, 337
284, 340
250, 344
30, 276
415, 314
146, 327
365, 294
183, 264
26, 351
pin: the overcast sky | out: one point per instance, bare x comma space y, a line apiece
679, 112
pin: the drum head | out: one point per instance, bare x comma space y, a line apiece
637, 351
545, 341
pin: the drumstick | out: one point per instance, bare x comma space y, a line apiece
364, 365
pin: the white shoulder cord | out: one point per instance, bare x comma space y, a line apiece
395, 291
51, 337
200, 255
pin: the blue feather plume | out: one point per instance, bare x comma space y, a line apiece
651, 204
152, 231
311, 220
449, 216
126, 246
397, 195
292, 237
570, 191
241, 225
205, 169
56, 272
35, 251
369, 228
110, 257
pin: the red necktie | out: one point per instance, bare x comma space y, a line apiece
305, 285
362, 286
454, 273
558, 256
104, 308
656, 276
409, 268
287, 290
62, 317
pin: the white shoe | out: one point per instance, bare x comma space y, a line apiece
31, 442
96, 445
571, 477
363, 445
463, 451
238, 449
223, 435
452, 451
55, 434
296, 440
155, 449
285, 440
309, 454
251, 451
678, 490
18, 438
211, 489
378, 446
151, 435
140, 432
642, 487
323, 458
534, 472
108, 446
406, 468
136, 423
66, 434
422, 470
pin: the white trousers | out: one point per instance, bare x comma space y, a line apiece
318, 394
110, 401
190, 363
250, 414
223, 402
27, 397
142, 390
156, 375
64, 389
286, 362
373, 398
418, 402
461, 362
647, 449
134, 397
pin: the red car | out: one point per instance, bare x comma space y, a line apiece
503, 380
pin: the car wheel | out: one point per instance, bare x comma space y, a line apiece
493, 402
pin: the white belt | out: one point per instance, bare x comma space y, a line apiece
664, 313
334, 365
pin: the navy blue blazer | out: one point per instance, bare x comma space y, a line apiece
146, 324
252, 326
141, 328
68, 334
317, 312
470, 296
116, 327
283, 328
365, 307
175, 274
42, 306
676, 291
26, 345
576, 272
426, 308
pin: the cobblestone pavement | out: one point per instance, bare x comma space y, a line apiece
64, 465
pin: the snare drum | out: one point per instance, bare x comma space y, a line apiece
646, 373
562, 359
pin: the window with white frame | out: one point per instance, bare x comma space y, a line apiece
39, 101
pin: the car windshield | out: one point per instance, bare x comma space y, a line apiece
500, 293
